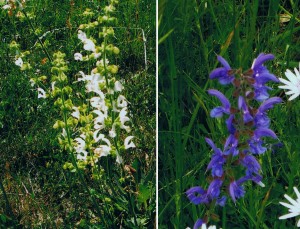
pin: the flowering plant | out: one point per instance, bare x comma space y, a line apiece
247, 124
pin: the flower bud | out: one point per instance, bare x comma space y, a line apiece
116, 50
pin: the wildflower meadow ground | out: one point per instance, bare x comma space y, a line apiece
77, 136
228, 115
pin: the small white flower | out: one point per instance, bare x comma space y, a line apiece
293, 85
112, 132
19, 62
76, 113
41, 93
89, 45
99, 121
294, 207
124, 119
121, 101
32, 82
53, 85
118, 86
6, 7
102, 151
210, 227
128, 143
80, 149
119, 159
100, 137
81, 35
78, 56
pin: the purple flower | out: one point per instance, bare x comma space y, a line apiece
217, 160
243, 106
230, 125
214, 188
256, 142
221, 201
197, 195
225, 108
198, 224
231, 146
251, 164
223, 73
262, 75
236, 190
261, 119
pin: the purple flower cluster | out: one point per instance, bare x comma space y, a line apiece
247, 127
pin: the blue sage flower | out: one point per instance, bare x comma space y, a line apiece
214, 188
197, 195
223, 74
217, 160
256, 142
262, 75
224, 109
231, 146
261, 119
244, 108
236, 189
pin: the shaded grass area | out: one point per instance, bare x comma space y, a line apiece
39, 191
191, 35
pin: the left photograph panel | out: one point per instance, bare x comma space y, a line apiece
77, 114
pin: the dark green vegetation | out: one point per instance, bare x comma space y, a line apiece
35, 191
191, 35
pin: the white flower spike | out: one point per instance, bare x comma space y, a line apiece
293, 85
294, 206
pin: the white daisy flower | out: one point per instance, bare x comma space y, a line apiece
293, 85
294, 206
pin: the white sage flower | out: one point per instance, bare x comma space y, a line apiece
41, 93
78, 56
128, 143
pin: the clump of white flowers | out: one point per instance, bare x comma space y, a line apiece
98, 124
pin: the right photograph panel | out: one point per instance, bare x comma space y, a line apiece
228, 123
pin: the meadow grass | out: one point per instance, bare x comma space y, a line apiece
37, 192
191, 35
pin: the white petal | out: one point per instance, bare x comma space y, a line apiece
128, 143
291, 76
118, 86
297, 192
76, 113
119, 159
6, 7
78, 56
89, 45
292, 208
298, 224
41, 93
294, 96
292, 201
290, 215
19, 62
81, 35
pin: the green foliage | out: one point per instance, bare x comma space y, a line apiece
191, 34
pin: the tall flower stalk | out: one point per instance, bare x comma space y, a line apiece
247, 124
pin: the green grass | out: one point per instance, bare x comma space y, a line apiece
37, 192
192, 34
